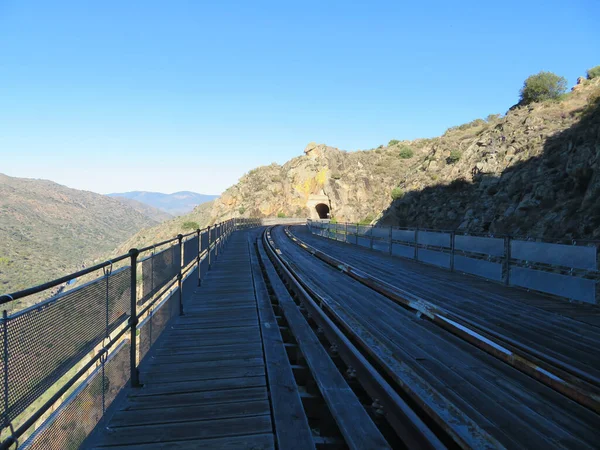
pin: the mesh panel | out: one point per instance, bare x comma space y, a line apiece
152, 327
69, 425
46, 341
158, 270
204, 240
190, 250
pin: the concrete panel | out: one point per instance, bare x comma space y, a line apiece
403, 235
481, 268
562, 285
364, 242
403, 251
382, 246
434, 238
477, 244
574, 256
436, 258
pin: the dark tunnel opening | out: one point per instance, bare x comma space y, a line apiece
322, 210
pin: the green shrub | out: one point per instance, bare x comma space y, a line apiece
393, 142
406, 152
454, 156
594, 72
333, 220
542, 86
493, 117
190, 225
241, 210
397, 193
281, 215
367, 220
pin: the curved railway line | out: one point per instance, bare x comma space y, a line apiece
397, 362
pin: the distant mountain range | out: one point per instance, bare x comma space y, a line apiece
175, 204
48, 230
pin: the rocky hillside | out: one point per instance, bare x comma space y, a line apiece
175, 204
199, 218
532, 171
48, 230
143, 208
355, 185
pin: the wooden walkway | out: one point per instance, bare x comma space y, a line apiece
204, 383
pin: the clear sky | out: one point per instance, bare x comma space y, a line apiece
120, 95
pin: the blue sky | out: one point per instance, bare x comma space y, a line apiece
189, 95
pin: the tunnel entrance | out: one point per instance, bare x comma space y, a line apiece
322, 210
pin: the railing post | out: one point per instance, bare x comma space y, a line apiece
357, 230
133, 320
417, 244
208, 248
507, 257
199, 232
371, 237
390, 240
346, 230
452, 245
179, 274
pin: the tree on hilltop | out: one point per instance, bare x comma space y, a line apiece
542, 86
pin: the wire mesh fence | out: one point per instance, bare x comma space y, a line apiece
564, 268
50, 347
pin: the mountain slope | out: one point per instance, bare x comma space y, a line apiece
48, 230
143, 208
533, 171
174, 204
198, 218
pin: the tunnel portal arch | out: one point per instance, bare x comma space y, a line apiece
322, 210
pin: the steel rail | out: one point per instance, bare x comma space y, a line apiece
579, 387
371, 368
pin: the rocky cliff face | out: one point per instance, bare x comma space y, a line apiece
354, 185
533, 172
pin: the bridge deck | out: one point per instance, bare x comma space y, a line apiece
204, 383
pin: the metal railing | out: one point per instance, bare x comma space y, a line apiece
565, 268
65, 359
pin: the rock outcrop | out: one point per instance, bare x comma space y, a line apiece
533, 171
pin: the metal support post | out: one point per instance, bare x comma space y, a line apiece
507, 256
452, 240
208, 248
198, 232
179, 274
133, 320
390, 240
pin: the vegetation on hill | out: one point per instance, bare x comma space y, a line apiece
541, 87
48, 230
154, 213
174, 204
530, 171
533, 172
200, 217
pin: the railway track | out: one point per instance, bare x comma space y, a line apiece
423, 377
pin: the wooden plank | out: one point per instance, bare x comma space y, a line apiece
187, 430
291, 424
254, 442
354, 423
192, 357
187, 366
180, 413
195, 398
